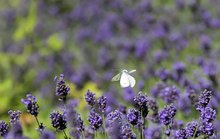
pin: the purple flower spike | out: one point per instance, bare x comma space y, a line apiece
58, 120
80, 125
153, 133
3, 128
181, 134
167, 114
62, 90
191, 129
47, 135
90, 98
141, 102
102, 101
170, 94
95, 120
14, 116
31, 104
208, 114
204, 99
126, 132
133, 116
206, 128
113, 116
16, 132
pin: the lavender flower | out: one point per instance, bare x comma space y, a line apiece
172, 110
155, 118
102, 101
114, 123
133, 116
140, 100
129, 94
80, 125
74, 119
58, 120
126, 132
184, 105
208, 114
47, 135
177, 124
179, 68
62, 90
41, 127
16, 132
206, 43
181, 134
152, 104
3, 128
163, 74
122, 109
141, 103
155, 91
89, 133
153, 133
170, 94
113, 116
167, 114
90, 98
95, 120
160, 55
191, 129
31, 104
140, 85
14, 116
192, 96
204, 99
206, 128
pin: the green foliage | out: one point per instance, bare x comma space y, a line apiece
26, 24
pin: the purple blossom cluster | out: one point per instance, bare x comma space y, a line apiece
95, 120
58, 120
172, 45
62, 90
14, 116
134, 122
167, 114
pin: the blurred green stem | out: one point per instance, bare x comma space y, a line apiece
65, 136
105, 132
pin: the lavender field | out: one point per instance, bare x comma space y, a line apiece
58, 59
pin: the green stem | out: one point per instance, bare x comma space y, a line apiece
171, 126
103, 118
96, 135
38, 123
141, 132
65, 134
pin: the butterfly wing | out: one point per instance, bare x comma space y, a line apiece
124, 80
131, 80
132, 71
116, 77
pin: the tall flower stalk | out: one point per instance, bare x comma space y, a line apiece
33, 108
59, 122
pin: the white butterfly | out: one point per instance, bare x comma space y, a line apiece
125, 78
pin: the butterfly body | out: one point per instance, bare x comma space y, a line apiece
125, 78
